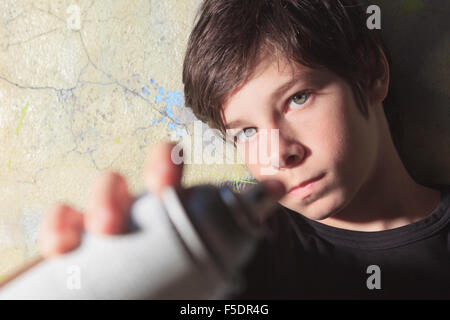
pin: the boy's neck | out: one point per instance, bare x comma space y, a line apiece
390, 199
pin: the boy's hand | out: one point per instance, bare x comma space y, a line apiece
108, 205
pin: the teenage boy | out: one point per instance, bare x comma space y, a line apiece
353, 224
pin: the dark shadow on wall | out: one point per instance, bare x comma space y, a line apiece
417, 34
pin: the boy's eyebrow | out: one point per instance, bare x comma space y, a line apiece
233, 124
306, 76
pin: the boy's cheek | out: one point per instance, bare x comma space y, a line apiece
248, 153
255, 171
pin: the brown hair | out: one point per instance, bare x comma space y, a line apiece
230, 37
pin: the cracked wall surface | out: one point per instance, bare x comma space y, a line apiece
83, 93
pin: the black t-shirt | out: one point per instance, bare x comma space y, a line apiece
305, 259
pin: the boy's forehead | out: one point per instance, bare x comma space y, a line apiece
281, 66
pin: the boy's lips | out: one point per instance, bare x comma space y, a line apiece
305, 188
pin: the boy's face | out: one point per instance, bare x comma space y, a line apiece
322, 134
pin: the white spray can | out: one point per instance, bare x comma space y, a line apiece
185, 244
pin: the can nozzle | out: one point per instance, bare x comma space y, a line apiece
261, 199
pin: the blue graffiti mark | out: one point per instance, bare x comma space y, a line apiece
168, 111
175, 127
172, 99
175, 98
160, 95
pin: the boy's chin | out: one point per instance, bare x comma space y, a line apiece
307, 211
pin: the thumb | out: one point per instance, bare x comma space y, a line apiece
160, 170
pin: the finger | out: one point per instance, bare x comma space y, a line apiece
160, 170
108, 205
60, 231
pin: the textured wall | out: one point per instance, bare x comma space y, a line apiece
78, 96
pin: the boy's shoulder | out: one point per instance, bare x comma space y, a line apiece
303, 258
288, 225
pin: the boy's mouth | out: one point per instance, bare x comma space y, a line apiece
305, 188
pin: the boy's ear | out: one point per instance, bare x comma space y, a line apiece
380, 85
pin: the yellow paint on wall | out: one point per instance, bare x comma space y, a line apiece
23, 112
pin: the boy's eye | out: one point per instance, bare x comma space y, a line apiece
298, 100
246, 133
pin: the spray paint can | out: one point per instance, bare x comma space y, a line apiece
186, 244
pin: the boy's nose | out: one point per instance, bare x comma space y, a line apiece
290, 154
